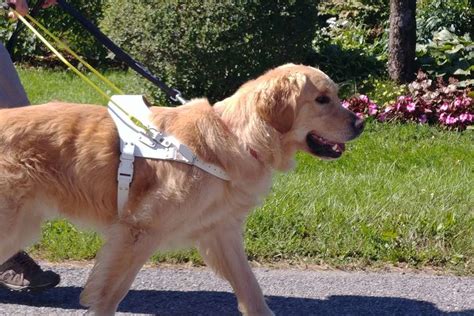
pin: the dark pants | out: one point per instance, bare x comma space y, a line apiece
12, 93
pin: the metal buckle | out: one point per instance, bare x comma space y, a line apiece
178, 97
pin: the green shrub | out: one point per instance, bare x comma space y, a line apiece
380, 90
62, 25
353, 44
209, 48
346, 65
448, 55
371, 13
435, 15
357, 25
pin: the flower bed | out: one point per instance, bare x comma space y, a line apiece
427, 102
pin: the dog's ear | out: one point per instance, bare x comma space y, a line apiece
276, 101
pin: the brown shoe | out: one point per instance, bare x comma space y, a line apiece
22, 273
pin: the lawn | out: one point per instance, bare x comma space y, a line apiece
401, 195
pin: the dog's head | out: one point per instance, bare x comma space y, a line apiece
302, 105
291, 108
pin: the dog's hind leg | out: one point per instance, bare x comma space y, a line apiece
117, 264
222, 249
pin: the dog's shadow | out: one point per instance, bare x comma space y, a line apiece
224, 303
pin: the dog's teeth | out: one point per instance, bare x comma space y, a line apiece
335, 147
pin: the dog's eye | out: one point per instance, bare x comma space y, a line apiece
323, 99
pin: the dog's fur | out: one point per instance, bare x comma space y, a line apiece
61, 159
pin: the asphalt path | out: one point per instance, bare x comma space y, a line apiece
196, 291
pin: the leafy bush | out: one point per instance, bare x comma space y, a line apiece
435, 15
344, 65
357, 25
210, 48
62, 25
352, 45
427, 102
381, 90
371, 13
448, 55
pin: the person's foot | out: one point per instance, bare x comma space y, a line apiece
22, 273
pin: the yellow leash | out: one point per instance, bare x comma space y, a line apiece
136, 121
70, 51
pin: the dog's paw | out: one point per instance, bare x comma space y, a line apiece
262, 311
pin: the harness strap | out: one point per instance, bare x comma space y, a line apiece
149, 143
125, 174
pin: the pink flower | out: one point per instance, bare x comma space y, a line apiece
457, 103
388, 109
423, 119
345, 104
401, 98
442, 117
360, 115
411, 107
444, 107
467, 102
451, 120
364, 98
373, 109
466, 117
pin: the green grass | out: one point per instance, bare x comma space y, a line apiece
402, 195
47, 85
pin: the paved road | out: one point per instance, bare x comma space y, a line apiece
196, 291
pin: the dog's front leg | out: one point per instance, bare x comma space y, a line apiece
117, 264
222, 249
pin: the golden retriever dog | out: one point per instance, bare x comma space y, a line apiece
61, 159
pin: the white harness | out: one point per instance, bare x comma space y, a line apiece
136, 142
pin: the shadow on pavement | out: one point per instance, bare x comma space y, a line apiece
223, 303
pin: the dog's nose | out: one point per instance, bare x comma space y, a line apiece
359, 125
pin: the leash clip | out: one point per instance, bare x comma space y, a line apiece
178, 97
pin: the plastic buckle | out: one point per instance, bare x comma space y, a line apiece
125, 170
125, 173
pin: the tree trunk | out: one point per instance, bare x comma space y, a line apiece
402, 40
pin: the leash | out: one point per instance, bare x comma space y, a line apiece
146, 130
173, 94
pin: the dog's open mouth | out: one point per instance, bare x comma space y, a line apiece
323, 148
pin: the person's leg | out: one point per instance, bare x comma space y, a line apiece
20, 272
12, 93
